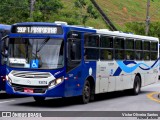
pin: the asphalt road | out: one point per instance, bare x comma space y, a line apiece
147, 100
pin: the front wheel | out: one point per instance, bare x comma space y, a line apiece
137, 86
86, 93
39, 99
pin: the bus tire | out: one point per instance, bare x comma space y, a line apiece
39, 99
92, 96
137, 86
86, 93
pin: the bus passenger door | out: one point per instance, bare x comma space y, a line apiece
72, 85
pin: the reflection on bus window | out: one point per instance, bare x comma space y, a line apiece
91, 54
106, 54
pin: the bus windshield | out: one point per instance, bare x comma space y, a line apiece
36, 53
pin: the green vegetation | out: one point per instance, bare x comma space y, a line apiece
139, 28
130, 15
13, 11
73, 14
124, 11
87, 11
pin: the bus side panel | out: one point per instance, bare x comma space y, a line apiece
120, 75
2, 76
105, 81
111, 78
76, 78
151, 75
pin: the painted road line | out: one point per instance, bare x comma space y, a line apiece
7, 101
150, 96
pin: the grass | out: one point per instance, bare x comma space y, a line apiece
119, 11
70, 8
123, 11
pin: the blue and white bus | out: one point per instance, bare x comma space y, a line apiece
4, 30
60, 60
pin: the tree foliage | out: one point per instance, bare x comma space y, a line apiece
87, 11
45, 8
139, 28
12, 11
80, 3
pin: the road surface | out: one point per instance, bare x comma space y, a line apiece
147, 100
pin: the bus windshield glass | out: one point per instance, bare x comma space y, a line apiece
36, 53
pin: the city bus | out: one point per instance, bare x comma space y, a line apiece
4, 30
61, 60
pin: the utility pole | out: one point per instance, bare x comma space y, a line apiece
32, 2
147, 18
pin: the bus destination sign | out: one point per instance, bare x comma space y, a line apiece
38, 29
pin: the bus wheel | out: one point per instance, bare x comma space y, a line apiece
39, 99
137, 86
92, 97
86, 93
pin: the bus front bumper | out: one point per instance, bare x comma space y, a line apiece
57, 91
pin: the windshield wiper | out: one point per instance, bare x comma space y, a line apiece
42, 45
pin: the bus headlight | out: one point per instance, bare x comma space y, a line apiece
8, 79
55, 82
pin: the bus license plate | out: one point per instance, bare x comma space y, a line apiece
28, 90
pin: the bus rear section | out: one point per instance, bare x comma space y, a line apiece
4, 30
123, 61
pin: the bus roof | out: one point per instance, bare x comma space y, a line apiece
35, 23
5, 27
121, 34
73, 27
82, 28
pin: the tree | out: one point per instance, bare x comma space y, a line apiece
138, 28
87, 11
44, 9
12, 11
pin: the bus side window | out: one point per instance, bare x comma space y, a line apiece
75, 50
73, 53
88, 54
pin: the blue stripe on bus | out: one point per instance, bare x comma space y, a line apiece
123, 66
119, 70
151, 66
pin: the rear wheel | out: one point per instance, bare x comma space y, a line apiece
86, 93
39, 99
137, 86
